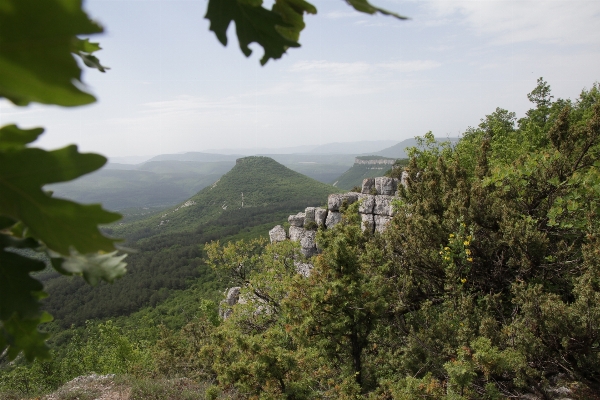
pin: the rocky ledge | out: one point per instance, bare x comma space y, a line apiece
375, 209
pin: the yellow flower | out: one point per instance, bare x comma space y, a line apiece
447, 248
470, 259
446, 258
463, 280
466, 242
468, 252
452, 235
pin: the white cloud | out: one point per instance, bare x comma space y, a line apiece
510, 21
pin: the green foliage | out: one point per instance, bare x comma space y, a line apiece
31, 31
274, 30
485, 285
30, 218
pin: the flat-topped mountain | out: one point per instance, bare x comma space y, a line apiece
365, 167
253, 183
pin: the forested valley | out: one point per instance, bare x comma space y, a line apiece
485, 285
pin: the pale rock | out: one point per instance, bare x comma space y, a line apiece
303, 269
367, 203
308, 245
367, 222
333, 218
296, 233
320, 216
309, 215
351, 197
231, 298
404, 178
368, 185
335, 201
277, 234
233, 295
296, 220
381, 222
383, 206
386, 186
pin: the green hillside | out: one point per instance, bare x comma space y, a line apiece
169, 257
253, 183
355, 175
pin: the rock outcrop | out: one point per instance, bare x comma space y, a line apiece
232, 297
376, 211
277, 234
375, 161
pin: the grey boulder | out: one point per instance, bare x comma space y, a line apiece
277, 234
296, 220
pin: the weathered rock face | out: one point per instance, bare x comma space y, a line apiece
375, 210
335, 201
303, 269
404, 178
277, 234
296, 233
333, 218
367, 222
308, 244
309, 215
297, 220
368, 185
377, 161
381, 222
367, 203
386, 186
383, 206
320, 216
231, 298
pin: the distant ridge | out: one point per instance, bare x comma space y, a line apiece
399, 150
254, 182
364, 167
356, 147
196, 156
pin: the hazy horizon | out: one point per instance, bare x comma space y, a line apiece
173, 88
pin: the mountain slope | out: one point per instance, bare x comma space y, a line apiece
399, 150
254, 182
355, 175
169, 245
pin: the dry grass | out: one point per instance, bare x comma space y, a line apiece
111, 387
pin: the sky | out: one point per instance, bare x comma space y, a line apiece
173, 87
